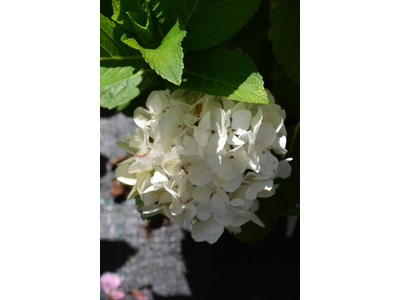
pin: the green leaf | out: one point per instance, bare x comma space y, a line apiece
167, 59
106, 8
209, 22
121, 7
159, 9
285, 35
268, 212
286, 92
143, 25
221, 72
128, 108
253, 40
291, 212
121, 77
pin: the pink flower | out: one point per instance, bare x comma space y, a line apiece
116, 295
109, 282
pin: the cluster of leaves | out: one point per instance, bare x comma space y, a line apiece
231, 48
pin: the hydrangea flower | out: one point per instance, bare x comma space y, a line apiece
204, 161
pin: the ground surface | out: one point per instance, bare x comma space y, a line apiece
167, 264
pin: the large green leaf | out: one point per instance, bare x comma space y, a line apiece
221, 72
285, 35
121, 77
167, 59
209, 22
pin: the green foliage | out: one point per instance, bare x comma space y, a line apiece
120, 67
221, 72
167, 59
143, 25
159, 9
285, 35
231, 48
268, 212
210, 22
121, 7
286, 91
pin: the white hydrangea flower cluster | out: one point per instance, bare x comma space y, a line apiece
203, 161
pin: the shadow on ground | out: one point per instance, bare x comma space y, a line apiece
113, 254
231, 269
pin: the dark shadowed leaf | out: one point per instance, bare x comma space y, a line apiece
209, 22
285, 35
121, 7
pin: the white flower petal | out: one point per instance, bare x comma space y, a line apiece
201, 137
257, 186
202, 193
176, 219
257, 220
225, 220
216, 142
143, 182
126, 147
203, 212
167, 129
159, 176
233, 184
266, 135
227, 104
215, 237
190, 212
241, 120
240, 213
214, 161
234, 140
141, 117
139, 166
279, 145
256, 120
237, 202
218, 205
284, 169
270, 167
238, 106
199, 173
121, 173
205, 123
239, 221
198, 232
156, 102
152, 210
176, 207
